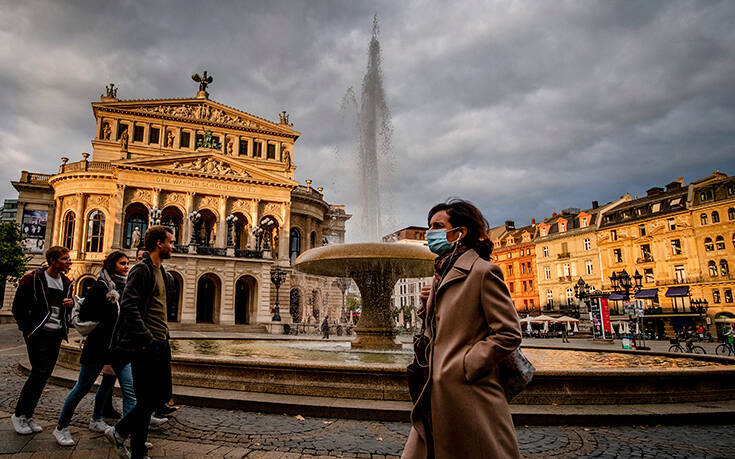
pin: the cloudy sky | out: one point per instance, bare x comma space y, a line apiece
523, 107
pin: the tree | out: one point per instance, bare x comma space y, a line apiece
13, 260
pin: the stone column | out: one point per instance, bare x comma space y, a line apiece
99, 128
115, 130
55, 235
285, 234
186, 224
118, 210
79, 228
236, 146
155, 198
221, 238
146, 132
177, 138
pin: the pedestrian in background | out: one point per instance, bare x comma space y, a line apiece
141, 333
472, 325
101, 305
41, 308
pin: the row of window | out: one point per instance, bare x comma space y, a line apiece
154, 136
724, 268
704, 220
527, 286
716, 296
569, 269
719, 242
95, 231
520, 254
564, 248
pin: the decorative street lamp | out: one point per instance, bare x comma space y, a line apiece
231, 222
155, 215
585, 293
623, 284
278, 277
700, 307
194, 217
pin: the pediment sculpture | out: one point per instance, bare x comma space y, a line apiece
201, 112
210, 166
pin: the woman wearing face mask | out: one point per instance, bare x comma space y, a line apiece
472, 325
100, 305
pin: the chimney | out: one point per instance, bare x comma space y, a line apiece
509, 225
533, 221
553, 214
654, 191
680, 180
673, 186
595, 204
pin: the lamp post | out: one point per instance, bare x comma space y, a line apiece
194, 217
155, 216
623, 284
585, 293
278, 277
343, 284
700, 307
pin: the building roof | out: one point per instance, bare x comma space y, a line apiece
658, 202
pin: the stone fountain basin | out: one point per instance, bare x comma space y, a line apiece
344, 260
574, 386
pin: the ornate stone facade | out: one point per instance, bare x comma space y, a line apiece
230, 202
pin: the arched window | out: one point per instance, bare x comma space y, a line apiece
703, 219
68, 234
708, 245
715, 217
720, 243
712, 266
731, 213
724, 267
294, 244
95, 231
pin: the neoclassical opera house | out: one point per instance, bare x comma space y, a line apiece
223, 180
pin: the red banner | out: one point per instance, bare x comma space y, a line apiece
605, 311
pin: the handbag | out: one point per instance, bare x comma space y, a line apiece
83, 327
418, 369
515, 372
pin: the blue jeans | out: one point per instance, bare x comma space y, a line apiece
87, 375
104, 392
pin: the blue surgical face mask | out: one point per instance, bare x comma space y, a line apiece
438, 243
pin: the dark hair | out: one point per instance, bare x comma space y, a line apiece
464, 213
155, 234
55, 252
111, 261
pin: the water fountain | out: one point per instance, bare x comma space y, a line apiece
375, 267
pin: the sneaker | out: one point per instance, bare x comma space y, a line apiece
98, 425
155, 422
148, 445
20, 424
34, 427
63, 437
118, 442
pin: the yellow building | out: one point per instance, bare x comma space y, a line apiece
221, 178
566, 250
713, 219
654, 236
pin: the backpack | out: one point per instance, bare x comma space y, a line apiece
84, 328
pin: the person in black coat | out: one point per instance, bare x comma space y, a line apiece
101, 306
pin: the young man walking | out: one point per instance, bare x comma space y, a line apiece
41, 308
142, 334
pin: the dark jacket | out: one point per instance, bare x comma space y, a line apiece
131, 332
30, 306
98, 308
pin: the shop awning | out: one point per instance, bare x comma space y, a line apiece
647, 293
673, 292
681, 322
616, 297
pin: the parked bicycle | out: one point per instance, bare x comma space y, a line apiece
725, 348
691, 348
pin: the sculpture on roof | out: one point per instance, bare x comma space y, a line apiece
111, 91
204, 80
284, 117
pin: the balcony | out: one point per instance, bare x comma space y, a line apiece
644, 259
565, 278
564, 255
219, 252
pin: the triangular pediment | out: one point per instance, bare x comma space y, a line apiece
198, 111
208, 163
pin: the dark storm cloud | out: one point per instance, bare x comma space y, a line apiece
523, 107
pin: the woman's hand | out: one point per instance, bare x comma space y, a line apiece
425, 291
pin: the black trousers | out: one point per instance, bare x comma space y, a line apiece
150, 369
43, 350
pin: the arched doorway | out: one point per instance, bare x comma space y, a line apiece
206, 230
294, 305
172, 217
244, 299
85, 283
136, 222
237, 232
208, 296
174, 303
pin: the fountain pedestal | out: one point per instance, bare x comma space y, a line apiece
375, 267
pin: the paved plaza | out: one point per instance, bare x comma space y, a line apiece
199, 432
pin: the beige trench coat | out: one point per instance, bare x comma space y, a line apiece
476, 327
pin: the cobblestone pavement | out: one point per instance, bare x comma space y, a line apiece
198, 432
